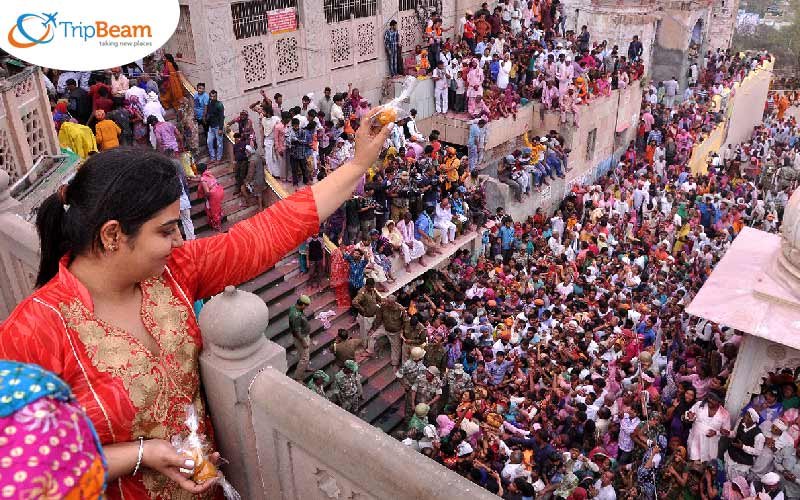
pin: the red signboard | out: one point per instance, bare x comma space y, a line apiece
282, 20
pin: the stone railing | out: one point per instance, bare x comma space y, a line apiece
19, 251
285, 442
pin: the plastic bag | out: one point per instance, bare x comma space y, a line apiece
392, 110
195, 447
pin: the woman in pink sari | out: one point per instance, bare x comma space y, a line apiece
214, 194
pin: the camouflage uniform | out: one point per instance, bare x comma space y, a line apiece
408, 374
427, 390
319, 389
457, 384
348, 390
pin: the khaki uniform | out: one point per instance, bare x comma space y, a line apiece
344, 350
435, 356
415, 337
389, 322
367, 303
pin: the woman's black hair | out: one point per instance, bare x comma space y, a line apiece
170, 58
123, 184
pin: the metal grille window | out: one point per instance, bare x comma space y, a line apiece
342, 10
407, 5
250, 17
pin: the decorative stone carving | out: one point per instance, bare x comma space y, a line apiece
24, 87
365, 40
287, 58
34, 133
254, 67
341, 54
409, 30
7, 161
234, 336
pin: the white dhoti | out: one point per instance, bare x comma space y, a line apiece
271, 157
448, 230
377, 273
412, 250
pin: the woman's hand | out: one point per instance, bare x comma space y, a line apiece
160, 456
368, 144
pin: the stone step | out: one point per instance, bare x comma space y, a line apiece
270, 278
385, 410
378, 382
281, 323
321, 338
325, 299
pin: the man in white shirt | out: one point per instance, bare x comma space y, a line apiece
337, 114
441, 81
603, 489
444, 221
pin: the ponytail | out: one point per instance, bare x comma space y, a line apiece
126, 185
52, 240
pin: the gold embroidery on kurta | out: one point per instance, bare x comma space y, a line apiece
158, 388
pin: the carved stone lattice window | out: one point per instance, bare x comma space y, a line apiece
182, 41
24, 87
255, 68
409, 31
366, 39
340, 45
7, 161
34, 133
288, 59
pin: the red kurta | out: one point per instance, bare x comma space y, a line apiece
125, 390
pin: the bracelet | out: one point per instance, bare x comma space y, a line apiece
139, 457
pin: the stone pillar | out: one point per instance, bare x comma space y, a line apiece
19, 251
235, 351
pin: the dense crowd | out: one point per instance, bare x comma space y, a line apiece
516, 53
558, 361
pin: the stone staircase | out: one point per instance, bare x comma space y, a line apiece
279, 288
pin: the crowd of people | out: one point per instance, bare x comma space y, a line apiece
517, 53
559, 362
555, 362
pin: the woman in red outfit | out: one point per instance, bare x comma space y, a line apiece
112, 315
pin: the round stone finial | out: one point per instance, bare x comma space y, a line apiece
233, 323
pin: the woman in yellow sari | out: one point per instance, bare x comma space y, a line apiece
171, 88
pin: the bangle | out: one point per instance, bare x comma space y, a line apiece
139, 457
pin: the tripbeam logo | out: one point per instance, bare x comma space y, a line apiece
85, 35
33, 29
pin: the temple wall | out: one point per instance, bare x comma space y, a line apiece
295, 63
